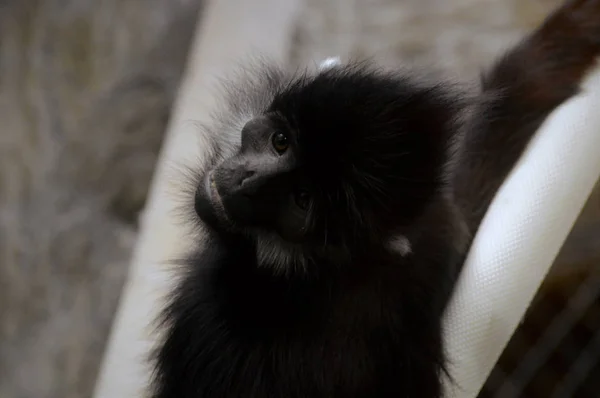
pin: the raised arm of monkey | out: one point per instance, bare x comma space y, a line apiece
336, 228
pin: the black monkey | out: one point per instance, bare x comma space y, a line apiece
337, 227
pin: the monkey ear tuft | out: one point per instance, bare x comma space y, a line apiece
329, 63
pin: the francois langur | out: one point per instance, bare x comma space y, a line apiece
336, 226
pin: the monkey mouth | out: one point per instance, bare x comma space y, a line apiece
215, 197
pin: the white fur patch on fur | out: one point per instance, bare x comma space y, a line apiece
400, 244
329, 63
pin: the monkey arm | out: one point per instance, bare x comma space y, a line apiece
517, 94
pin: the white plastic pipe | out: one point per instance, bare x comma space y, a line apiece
229, 31
520, 237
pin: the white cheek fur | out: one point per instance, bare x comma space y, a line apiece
273, 251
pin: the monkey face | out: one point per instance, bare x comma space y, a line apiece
329, 163
261, 186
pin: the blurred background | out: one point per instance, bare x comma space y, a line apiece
86, 89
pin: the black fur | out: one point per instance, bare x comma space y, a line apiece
358, 319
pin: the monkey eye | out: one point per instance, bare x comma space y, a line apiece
280, 142
302, 199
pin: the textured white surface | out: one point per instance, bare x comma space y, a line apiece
520, 237
230, 30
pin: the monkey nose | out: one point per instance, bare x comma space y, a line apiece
244, 176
